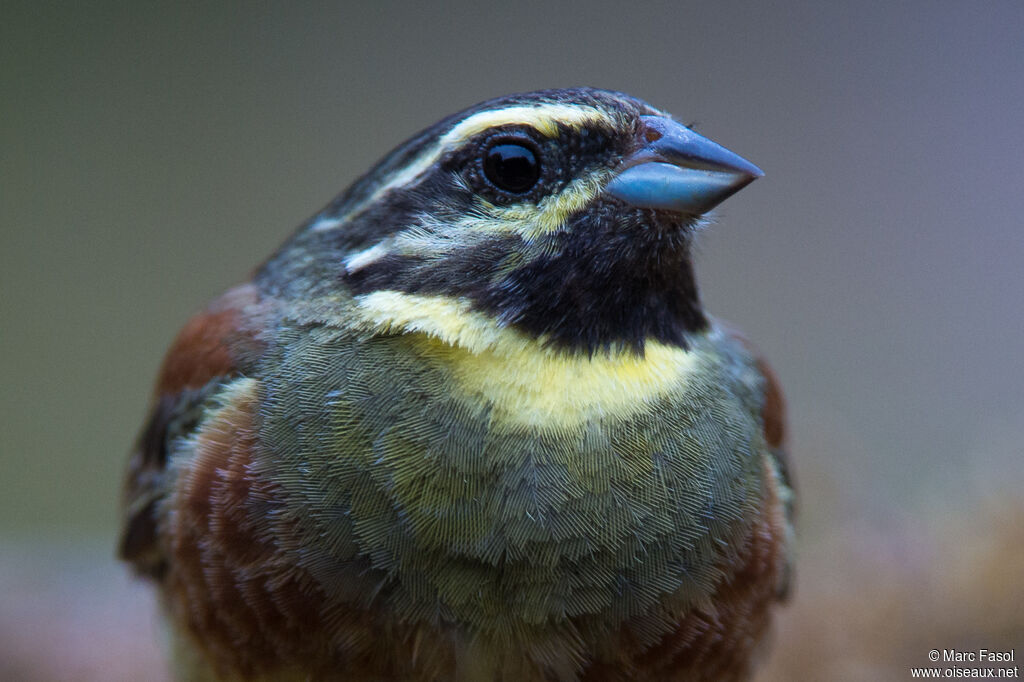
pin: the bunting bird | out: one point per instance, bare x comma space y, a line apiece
472, 422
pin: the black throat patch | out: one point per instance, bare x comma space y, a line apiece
614, 276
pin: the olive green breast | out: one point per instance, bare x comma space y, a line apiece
409, 494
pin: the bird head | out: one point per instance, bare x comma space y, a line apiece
567, 215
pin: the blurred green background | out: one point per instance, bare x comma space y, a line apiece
152, 154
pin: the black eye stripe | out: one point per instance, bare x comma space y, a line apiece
491, 166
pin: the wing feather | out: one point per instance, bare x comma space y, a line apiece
214, 346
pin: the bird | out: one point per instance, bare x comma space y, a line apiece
471, 421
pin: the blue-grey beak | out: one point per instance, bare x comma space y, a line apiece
678, 170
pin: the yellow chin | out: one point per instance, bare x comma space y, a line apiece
525, 383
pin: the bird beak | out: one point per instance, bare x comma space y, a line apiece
678, 170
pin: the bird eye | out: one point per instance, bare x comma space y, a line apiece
511, 167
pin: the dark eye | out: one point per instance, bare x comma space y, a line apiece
511, 167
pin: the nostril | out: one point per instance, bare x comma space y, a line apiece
651, 135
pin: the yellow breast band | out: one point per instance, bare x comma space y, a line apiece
524, 382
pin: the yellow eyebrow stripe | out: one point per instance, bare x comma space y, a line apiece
544, 118
523, 382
